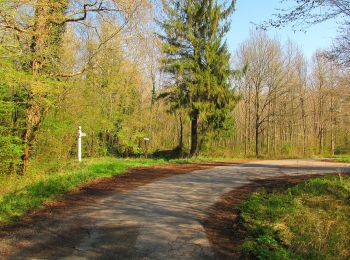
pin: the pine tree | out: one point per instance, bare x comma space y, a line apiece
197, 62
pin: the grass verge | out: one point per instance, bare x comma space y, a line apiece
342, 158
308, 221
22, 193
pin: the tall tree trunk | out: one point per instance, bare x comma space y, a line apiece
257, 137
194, 131
154, 96
245, 130
257, 119
181, 135
45, 36
321, 141
332, 128
274, 135
268, 130
92, 153
249, 119
34, 116
332, 140
303, 118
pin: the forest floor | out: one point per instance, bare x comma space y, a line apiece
186, 211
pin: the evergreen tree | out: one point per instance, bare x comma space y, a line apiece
197, 62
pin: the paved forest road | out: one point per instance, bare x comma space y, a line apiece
159, 220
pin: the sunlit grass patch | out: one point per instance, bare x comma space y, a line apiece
308, 221
342, 158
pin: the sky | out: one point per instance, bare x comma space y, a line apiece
257, 11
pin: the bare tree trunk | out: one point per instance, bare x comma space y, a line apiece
45, 36
257, 136
154, 96
332, 128
181, 134
34, 116
249, 119
194, 131
257, 119
274, 142
332, 140
268, 129
92, 144
321, 140
246, 128
303, 115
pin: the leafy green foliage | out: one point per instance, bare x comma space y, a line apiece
11, 115
16, 85
308, 221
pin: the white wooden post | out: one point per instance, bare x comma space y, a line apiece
80, 135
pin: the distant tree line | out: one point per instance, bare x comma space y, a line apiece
290, 106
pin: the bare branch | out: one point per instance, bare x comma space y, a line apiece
81, 15
99, 47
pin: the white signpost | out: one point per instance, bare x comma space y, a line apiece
80, 135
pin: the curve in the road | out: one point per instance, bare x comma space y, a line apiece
164, 219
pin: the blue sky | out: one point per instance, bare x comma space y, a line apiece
256, 11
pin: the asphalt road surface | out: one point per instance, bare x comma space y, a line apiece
162, 219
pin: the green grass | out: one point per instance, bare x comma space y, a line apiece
22, 193
342, 158
308, 221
